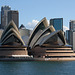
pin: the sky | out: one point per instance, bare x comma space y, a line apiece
32, 11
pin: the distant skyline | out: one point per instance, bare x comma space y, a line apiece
32, 11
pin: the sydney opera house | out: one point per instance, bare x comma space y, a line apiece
44, 43
11, 42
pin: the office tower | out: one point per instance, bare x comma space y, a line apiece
57, 23
4, 16
72, 34
69, 37
73, 41
72, 25
13, 15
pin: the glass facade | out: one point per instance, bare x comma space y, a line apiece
72, 25
3, 8
69, 36
4, 16
57, 23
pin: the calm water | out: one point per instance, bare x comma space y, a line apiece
37, 68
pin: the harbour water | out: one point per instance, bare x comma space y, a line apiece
37, 68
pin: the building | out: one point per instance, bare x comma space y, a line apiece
69, 37
57, 23
4, 16
70, 33
73, 42
37, 30
22, 27
13, 15
43, 33
25, 33
72, 25
48, 44
72, 39
7, 15
11, 32
12, 44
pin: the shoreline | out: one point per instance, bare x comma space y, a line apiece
38, 59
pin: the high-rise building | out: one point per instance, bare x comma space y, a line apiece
4, 16
57, 23
73, 42
13, 15
69, 37
72, 25
70, 34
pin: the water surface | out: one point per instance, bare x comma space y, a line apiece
37, 68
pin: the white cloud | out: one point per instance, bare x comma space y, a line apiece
48, 21
32, 24
65, 28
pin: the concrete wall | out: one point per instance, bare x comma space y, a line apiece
25, 33
9, 53
73, 41
13, 51
51, 52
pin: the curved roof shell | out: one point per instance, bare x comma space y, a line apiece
38, 29
45, 34
9, 32
55, 38
49, 29
9, 26
11, 38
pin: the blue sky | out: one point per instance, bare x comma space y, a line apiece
32, 11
